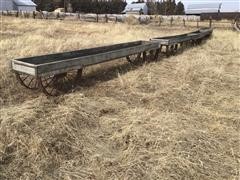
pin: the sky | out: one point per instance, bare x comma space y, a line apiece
227, 5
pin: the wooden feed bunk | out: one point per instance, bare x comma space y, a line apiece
55, 73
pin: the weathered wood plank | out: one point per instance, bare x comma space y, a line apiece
195, 35
62, 62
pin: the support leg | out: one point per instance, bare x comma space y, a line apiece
172, 49
144, 56
181, 46
175, 48
167, 51
78, 75
200, 41
151, 55
157, 53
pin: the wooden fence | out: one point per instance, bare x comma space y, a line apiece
172, 21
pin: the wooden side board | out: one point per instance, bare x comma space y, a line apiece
57, 63
63, 62
36, 60
171, 40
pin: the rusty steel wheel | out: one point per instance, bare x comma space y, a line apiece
153, 55
172, 49
59, 84
27, 81
134, 59
175, 48
167, 52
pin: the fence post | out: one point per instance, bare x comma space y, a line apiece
171, 20
160, 21
106, 18
197, 24
210, 21
97, 18
34, 15
116, 19
184, 22
58, 16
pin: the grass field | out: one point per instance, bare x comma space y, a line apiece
177, 118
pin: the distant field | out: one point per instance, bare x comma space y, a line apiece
177, 118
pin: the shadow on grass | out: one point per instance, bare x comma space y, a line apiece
110, 70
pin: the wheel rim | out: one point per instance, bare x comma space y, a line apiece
50, 85
133, 59
152, 55
27, 81
56, 85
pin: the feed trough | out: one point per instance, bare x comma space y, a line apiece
172, 43
55, 73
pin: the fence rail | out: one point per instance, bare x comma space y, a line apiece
159, 20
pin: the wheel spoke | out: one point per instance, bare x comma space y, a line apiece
59, 84
48, 84
134, 59
27, 80
30, 82
51, 91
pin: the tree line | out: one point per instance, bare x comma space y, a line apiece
84, 6
169, 7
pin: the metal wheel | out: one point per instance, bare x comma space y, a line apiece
59, 84
27, 81
151, 55
78, 75
172, 49
134, 59
155, 53
175, 48
167, 51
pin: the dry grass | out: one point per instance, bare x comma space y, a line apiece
177, 118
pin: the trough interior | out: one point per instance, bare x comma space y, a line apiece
79, 53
